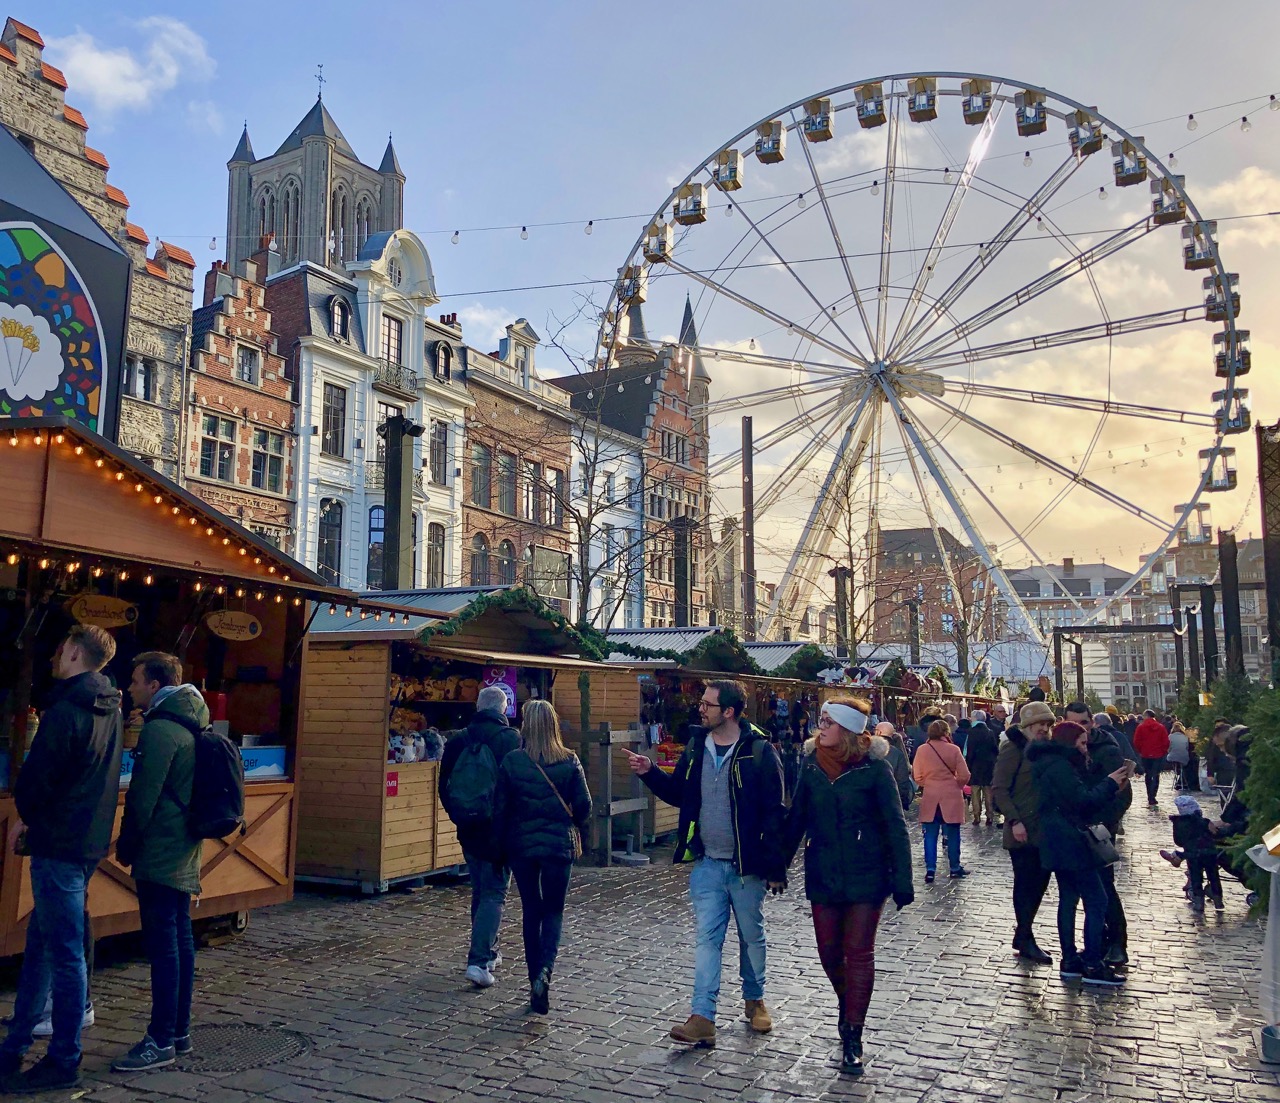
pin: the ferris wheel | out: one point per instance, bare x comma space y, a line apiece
953, 300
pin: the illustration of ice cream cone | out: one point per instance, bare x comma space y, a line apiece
20, 345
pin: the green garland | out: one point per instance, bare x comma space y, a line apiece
805, 664
519, 599
939, 674
721, 652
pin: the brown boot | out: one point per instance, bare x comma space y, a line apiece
758, 1016
698, 1030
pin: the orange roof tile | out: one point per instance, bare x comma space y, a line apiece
174, 253
29, 33
8, 55
117, 196
52, 75
157, 270
96, 158
73, 116
136, 233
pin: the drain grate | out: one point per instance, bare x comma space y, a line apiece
238, 1048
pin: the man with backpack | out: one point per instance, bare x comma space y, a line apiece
468, 787
156, 841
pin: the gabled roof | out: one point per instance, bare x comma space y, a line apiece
894, 541
318, 286
595, 394
317, 123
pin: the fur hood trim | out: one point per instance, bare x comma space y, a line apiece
879, 746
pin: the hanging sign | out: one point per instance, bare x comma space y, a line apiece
504, 677
231, 624
103, 610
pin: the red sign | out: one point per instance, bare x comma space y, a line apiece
393, 784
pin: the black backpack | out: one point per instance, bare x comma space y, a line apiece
469, 794
217, 788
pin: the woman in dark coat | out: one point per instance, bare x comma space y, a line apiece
1068, 805
857, 855
542, 800
980, 753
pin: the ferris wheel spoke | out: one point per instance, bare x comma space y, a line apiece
1051, 464
1082, 263
818, 419
1099, 331
821, 189
1079, 402
886, 228
765, 312
769, 395
759, 359
977, 152
988, 253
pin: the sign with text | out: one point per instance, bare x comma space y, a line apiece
103, 610
231, 624
393, 784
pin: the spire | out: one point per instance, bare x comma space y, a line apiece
689, 339
636, 334
244, 151
317, 123
390, 162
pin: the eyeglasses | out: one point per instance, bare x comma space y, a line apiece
825, 721
705, 704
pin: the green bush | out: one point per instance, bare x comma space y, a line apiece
1262, 790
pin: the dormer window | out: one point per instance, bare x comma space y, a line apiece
522, 359
443, 362
394, 272
340, 319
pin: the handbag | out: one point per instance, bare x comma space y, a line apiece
575, 836
1101, 849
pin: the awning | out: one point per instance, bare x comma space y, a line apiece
512, 658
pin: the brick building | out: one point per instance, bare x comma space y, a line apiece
240, 434
33, 107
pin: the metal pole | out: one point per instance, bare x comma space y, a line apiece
1269, 486
748, 531
1232, 634
1180, 662
1193, 643
397, 538
913, 620
1079, 646
1057, 660
841, 575
683, 528
1209, 633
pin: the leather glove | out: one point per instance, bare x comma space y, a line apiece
902, 899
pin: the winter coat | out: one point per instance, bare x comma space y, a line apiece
940, 770
857, 851
997, 725
1126, 745
68, 789
154, 838
980, 754
1179, 748
1191, 833
1105, 757
490, 727
528, 816
755, 798
901, 768
1013, 789
1067, 805
1220, 764
960, 737
1150, 739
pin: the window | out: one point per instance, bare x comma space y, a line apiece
948, 595
948, 623
435, 555
329, 542
392, 339
218, 448
481, 475
522, 360
333, 428
291, 247
385, 410
266, 215
443, 361
340, 319
140, 378
610, 485
268, 460
674, 447
507, 484
479, 561
438, 453
1250, 638
377, 546
556, 479
584, 479
506, 573
248, 361
533, 493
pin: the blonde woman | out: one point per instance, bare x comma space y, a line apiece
542, 811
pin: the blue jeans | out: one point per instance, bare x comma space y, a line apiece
1075, 886
952, 833
166, 933
53, 958
543, 886
489, 883
714, 889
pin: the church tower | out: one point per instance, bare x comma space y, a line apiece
699, 380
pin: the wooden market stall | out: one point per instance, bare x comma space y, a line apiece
90, 535
380, 697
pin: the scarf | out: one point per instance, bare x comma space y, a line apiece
833, 760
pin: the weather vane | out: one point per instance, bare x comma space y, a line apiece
320, 81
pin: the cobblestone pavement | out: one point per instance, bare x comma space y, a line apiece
373, 993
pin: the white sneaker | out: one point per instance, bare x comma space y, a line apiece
497, 960
44, 1028
481, 978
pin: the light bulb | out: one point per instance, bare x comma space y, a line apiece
1245, 124
728, 210
588, 228
1026, 159
946, 176
332, 609
524, 233
348, 611
1041, 225
1173, 161
453, 237
801, 202
875, 187
1274, 104
619, 388
1191, 122
213, 245
984, 254
752, 346
1102, 194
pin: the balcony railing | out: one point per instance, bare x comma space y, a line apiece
375, 478
395, 377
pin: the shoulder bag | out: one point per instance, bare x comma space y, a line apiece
575, 836
1101, 849
964, 789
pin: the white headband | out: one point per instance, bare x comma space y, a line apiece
846, 716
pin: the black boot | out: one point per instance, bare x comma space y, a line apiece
540, 993
851, 1042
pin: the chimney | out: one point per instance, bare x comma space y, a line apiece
217, 282
249, 270
1068, 567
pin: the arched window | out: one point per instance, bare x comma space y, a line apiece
377, 547
291, 246
435, 555
266, 214
364, 221
329, 542
479, 561
443, 360
340, 318
506, 574
339, 225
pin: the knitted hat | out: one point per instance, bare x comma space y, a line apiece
1035, 711
1187, 805
1111, 710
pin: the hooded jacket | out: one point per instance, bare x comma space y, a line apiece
154, 838
858, 851
528, 816
1068, 803
1150, 739
1105, 757
755, 802
490, 727
980, 753
1013, 788
68, 789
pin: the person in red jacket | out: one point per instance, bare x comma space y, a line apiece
1151, 741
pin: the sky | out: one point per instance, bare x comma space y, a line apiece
552, 115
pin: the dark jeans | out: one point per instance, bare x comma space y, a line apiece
1076, 886
1030, 879
1151, 768
54, 957
1202, 865
847, 949
1116, 935
166, 932
489, 883
543, 887
951, 832
1191, 774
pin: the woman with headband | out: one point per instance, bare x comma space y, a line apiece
857, 855
942, 773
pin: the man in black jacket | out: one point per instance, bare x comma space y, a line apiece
66, 795
481, 847
1105, 757
728, 787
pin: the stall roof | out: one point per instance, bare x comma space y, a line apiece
662, 639
507, 658
770, 656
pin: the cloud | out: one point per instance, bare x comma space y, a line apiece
122, 78
1254, 189
204, 114
484, 326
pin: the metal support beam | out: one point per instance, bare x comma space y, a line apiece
1193, 642
841, 575
1179, 656
748, 531
1268, 437
1232, 633
1209, 633
1057, 660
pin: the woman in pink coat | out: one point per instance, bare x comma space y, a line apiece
942, 774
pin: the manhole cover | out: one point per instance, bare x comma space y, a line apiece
241, 1047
